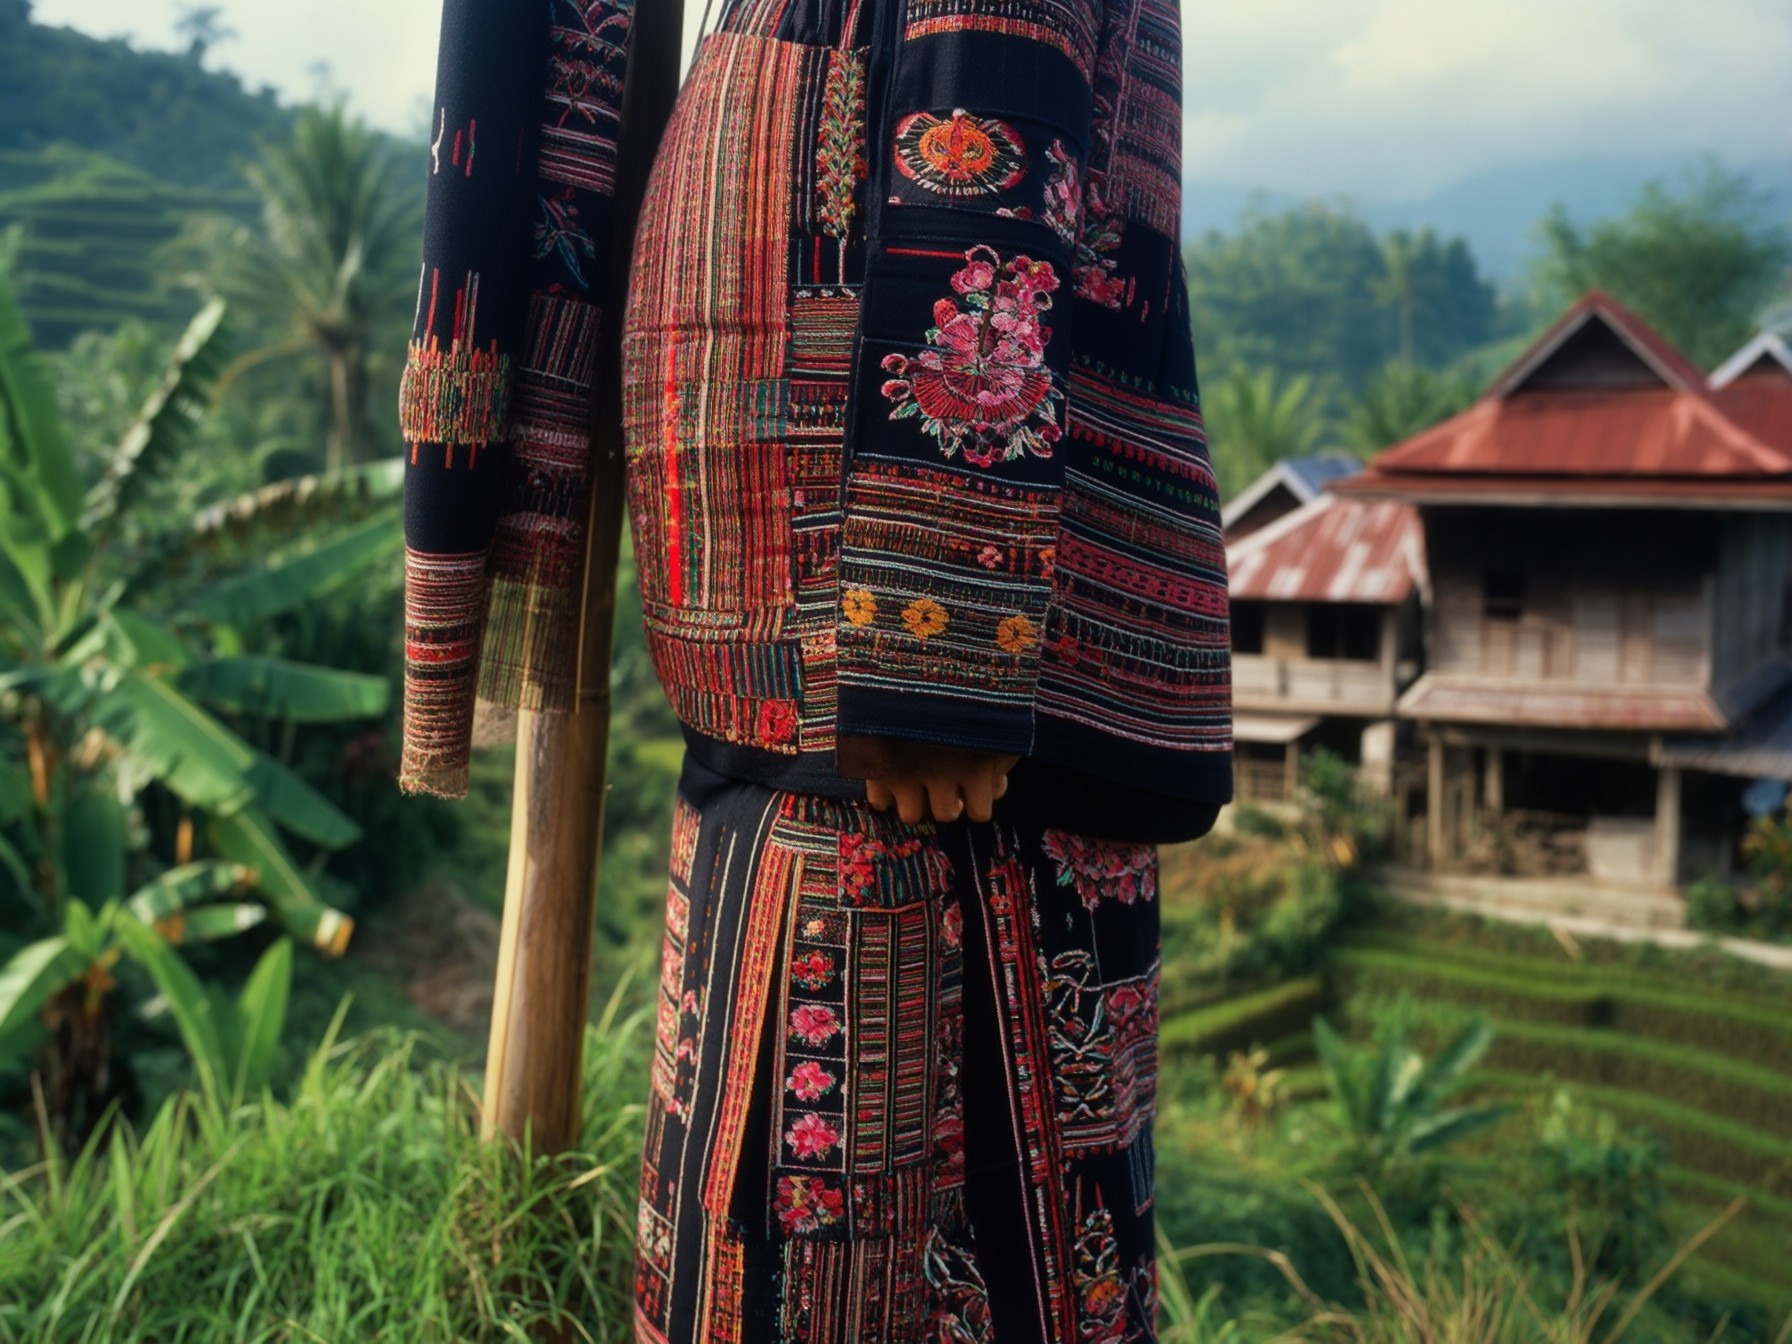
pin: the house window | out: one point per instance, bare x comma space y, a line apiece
1502, 596
1247, 627
1344, 630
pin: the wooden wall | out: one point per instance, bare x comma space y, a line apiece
1608, 598
1754, 568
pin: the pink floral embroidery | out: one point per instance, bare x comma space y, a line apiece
1080, 215
1102, 868
807, 1204
862, 855
983, 388
810, 1081
812, 970
811, 1136
952, 925
814, 1023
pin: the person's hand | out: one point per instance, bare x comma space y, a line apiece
926, 778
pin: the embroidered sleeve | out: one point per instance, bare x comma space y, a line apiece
977, 138
495, 401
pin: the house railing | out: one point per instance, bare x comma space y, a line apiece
1321, 682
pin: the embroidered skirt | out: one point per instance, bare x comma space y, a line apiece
903, 1083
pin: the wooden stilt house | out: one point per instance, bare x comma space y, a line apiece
1608, 648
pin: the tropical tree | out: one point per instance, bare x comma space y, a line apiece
203, 27
117, 687
1390, 1100
1254, 419
1399, 252
330, 262
1401, 401
1315, 291
1703, 259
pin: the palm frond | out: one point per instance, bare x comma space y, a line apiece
163, 426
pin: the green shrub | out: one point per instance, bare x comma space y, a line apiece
1606, 1184
1695, 1139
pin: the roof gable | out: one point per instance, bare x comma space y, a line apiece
1598, 345
1767, 357
1287, 485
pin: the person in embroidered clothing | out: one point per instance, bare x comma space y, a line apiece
929, 557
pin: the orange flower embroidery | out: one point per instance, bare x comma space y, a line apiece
924, 617
860, 607
1016, 634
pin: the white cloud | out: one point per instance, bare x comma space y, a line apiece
1381, 99
1377, 99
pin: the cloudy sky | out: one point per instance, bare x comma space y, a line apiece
1378, 99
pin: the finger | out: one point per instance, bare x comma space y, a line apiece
877, 793
978, 794
1002, 784
942, 794
911, 801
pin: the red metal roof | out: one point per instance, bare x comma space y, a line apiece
1763, 406
1651, 432
1459, 699
1332, 550
1663, 438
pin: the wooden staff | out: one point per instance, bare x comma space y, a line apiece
534, 1065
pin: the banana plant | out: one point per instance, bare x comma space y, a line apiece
122, 673
109, 692
1390, 1099
60, 982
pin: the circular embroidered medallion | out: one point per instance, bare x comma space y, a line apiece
961, 155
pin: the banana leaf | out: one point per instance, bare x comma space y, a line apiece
15, 791
31, 978
93, 846
171, 892
209, 923
151, 645
164, 423
244, 599
249, 838
31, 437
198, 759
282, 689
206, 764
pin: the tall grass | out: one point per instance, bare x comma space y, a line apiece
1466, 1290
364, 1207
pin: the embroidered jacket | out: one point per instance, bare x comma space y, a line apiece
910, 409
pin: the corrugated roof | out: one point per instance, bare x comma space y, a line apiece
1761, 750
1761, 404
1316, 472
1767, 353
1460, 699
1654, 432
1668, 433
1332, 550
1301, 477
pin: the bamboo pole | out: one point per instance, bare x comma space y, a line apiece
534, 1063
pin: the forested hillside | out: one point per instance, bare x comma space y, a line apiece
159, 112
105, 153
